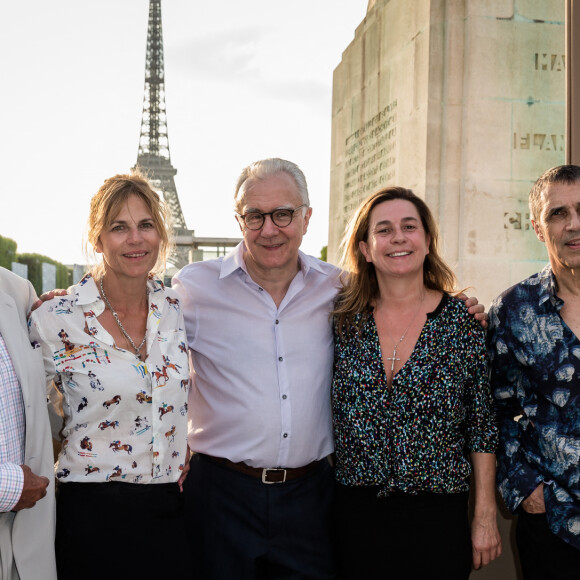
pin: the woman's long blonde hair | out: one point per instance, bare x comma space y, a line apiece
360, 286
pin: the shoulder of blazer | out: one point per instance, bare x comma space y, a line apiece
18, 289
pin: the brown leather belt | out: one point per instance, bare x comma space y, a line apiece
268, 474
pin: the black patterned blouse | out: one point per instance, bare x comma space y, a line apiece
416, 436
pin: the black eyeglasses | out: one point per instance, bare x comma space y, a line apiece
254, 220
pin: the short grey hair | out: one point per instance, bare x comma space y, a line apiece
566, 174
265, 168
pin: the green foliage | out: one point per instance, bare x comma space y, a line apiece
324, 253
34, 262
7, 252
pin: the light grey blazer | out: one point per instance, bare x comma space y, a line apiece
33, 529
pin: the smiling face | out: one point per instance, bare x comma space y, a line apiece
396, 240
130, 243
271, 248
559, 225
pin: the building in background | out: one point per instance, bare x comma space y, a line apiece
463, 102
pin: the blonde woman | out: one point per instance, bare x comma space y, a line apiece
115, 347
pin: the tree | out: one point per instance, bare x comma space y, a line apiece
7, 252
35, 261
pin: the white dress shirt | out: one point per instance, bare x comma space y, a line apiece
261, 373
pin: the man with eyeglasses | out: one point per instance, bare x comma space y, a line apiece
260, 488
260, 485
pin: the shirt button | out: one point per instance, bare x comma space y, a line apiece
260, 289
284, 397
285, 435
280, 358
277, 322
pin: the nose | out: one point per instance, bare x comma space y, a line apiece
135, 235
398, 235
269, 228
574, 223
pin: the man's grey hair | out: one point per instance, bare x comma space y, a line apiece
566, 174
265, 168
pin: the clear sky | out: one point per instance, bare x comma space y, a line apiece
244, 80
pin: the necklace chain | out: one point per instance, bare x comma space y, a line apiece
397, 344
137, 349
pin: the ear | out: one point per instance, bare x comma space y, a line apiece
99, 247
538, 231
364, 248
240, 223
306, 220
427, 242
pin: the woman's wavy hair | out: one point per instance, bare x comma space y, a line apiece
108, 202
359, 283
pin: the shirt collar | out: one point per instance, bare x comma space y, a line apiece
86, 291
235, 260
548, 288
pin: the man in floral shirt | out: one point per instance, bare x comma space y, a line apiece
535, 376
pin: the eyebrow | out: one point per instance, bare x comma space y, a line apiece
256, 210
389, 222
550, 210
124, 222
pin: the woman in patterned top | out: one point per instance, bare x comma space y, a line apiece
115, 348
411, 403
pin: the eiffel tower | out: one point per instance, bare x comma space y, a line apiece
153, 157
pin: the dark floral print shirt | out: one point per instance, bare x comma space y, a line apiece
535, 378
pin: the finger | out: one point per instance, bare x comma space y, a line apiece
476, 560
485, 558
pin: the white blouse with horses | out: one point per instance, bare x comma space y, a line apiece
124, 419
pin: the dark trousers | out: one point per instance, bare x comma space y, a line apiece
402, 536
543, 555
120, 530
243, 529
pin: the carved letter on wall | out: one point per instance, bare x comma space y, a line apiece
514, 221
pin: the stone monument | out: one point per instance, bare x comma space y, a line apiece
462, 101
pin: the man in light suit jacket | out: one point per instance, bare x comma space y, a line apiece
27, 512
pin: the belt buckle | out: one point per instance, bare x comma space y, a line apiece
274, 469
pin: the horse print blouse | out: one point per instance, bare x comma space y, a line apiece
124, 419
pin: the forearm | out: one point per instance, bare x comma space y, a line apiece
516, 476
485, 537
484, 485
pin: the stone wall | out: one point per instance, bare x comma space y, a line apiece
463, 102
